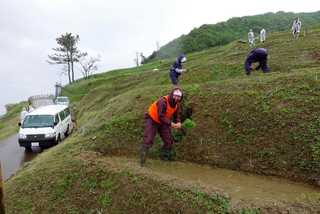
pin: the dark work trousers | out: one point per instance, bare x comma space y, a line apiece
150, 130
174, 77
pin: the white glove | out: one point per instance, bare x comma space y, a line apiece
180, 70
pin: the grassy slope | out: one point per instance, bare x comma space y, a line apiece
266, 124
9, 121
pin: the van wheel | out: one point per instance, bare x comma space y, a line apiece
28, 149
58, 139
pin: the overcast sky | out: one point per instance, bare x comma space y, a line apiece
115, 30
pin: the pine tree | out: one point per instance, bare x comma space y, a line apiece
67, 53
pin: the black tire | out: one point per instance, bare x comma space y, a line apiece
28, 149
58, 140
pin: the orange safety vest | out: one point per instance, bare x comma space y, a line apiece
153, 110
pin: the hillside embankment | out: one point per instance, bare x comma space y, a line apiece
265, 124
9, 121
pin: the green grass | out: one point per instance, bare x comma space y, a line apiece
234, 113
64, 183
272, 118
9, 121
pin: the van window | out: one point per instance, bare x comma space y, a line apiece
57, 119
67, 112
62, 99
62, 116
37, 121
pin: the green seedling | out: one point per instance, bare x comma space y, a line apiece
178, 134
188, 124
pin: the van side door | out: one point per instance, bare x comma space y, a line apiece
68, 119
63, 122
57, 127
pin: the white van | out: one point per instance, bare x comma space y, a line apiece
45, 126
62, 101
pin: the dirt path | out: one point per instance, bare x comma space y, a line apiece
241, 188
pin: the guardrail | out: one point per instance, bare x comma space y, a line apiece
2, 210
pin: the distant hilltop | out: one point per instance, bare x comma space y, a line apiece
211, 35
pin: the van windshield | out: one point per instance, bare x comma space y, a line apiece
37, 121
62, 99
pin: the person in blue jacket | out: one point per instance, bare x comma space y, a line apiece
259, 55
176, 69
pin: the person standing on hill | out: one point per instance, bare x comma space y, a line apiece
176, 69
262, 35
162, 115
251, 38
296, 27
23, 114
259, 55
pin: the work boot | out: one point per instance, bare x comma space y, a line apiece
143, 155
166, 154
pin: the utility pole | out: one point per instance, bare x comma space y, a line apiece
158, 48
58, 88
142, 58
2, 210
137, 59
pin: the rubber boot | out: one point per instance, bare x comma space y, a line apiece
143, 155
166, 154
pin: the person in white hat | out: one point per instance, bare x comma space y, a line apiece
296, 27
176, 69
23, 114
262, 35
251, 38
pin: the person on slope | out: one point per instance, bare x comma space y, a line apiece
162, 115
23, 114
262, 35
251, 38
176, 69
259, 55
296, 27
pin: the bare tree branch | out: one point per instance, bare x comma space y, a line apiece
88, 64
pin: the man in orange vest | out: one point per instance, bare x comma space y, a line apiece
159, 119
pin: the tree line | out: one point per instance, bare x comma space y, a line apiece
211, 35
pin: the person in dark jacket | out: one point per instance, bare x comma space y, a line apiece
176, 69
259, 55
162, 115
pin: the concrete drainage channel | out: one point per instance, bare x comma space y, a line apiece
243, 189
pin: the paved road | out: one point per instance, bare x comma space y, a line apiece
12, 156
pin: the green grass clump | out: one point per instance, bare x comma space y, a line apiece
9, 121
